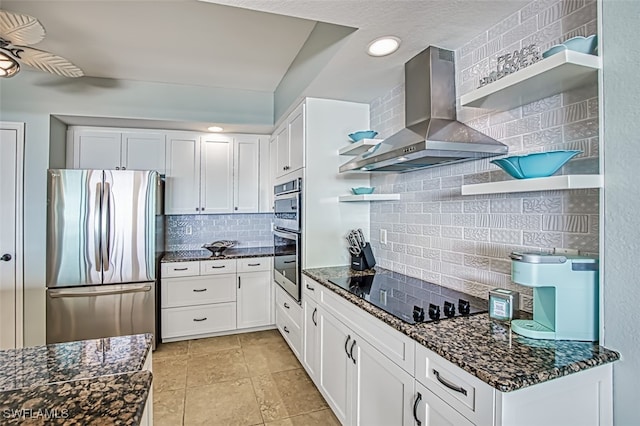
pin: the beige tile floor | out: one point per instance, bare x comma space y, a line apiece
243, 379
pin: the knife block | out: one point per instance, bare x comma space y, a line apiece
363, 261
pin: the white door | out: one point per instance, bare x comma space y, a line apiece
216, 178
282, 151
273, 168
432, 411
384, 393
296, 139
310, 342
254, 299
182, 181
97, 149
336, 367
246, 174
11, 159
144, 151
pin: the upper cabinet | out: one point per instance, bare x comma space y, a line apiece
558, 73
182, 182
289, 141
115, 149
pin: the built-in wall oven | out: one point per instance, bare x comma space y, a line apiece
287, 237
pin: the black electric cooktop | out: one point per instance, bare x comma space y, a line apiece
411, 299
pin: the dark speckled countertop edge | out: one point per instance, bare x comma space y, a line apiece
231, 253
485, 348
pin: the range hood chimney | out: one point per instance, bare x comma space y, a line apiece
432, 136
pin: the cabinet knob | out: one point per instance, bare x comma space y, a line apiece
235, 208
124, 168
197, 208
117, 168
5, 257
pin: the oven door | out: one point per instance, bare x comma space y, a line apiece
286, 261
287, 211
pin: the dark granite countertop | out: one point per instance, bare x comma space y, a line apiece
76, 382
486, 348
231, 253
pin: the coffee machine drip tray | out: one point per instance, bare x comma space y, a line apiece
411, 299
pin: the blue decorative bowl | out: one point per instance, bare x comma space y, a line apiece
538, 164
578, 44
362, 190
362, 134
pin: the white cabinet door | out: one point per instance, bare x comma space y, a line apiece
182, 182
96, 149
216, 175
254, 299
273, 167
336, 368
265, 196
296, 139
246, 174
310, 338
432, 411
143, 151
384, 392
282, 151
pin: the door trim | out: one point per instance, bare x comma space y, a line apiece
19, 257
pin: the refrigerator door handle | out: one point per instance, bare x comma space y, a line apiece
129, 288
105, 223
97, 228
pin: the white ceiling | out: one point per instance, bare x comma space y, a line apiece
250, 44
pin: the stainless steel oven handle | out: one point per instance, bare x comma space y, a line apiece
106, 226
80, 293
97, 227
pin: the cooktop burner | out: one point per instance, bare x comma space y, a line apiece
411, 299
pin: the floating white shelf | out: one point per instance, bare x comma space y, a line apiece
558, 73
551, 183
369, 197
359, 147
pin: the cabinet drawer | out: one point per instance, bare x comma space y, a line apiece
254, 264
214, 267
288, 305
310, 288
194, 320
467, 394
180, 269
291, 331
200, 290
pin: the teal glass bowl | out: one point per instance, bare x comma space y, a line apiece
578, 44
362, 134
362, 190
535, 165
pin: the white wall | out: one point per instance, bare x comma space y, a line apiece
621, 124
31, 97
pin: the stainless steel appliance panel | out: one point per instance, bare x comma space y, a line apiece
286, 262
92, 312
74, 227
129, 208
288, 205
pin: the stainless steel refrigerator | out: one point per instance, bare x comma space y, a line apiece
103, 251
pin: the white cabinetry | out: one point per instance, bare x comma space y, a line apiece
210, 174
254, 295
311, 332
431, 410
115, 149
289, 320
289, 139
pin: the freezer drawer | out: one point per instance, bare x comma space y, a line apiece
92, 312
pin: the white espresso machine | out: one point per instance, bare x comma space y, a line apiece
565, 296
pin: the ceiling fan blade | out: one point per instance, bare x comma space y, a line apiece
48, 62
20, 29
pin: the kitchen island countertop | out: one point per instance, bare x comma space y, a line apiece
486, 348
230, 253
82, 382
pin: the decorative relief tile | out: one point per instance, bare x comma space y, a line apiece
593, 107
476, 178
520, 127
441, 219
542, 137
565, 223
473, 44
506, 237
506, 205
504, 26
485, 51
431, 277
476, 206
452, 282
463, 62
430, 207
582, 204
414, 250
534, 8
466, 220
580, 16
451, 232
451, 206
542, 239
542, 205
413, 186
558, 10
514, 143
523, 30
412, 207
568, 114
542, 106
414, 229
580, 94
477, 262
431, 230
591, 27
451, 182
463, 246
432, 254
476, 71
501, 266
582, 242
546, 37
504, 116
594, 224
476, 234
399, 228
399, 248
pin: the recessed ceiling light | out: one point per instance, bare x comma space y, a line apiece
383, 46
215, 129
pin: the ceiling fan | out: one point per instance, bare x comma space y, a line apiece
18, 30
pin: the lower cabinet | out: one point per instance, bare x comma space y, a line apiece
310, 337
431, 410
204, 298
289, 320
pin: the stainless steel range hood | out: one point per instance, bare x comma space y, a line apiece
432, 136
